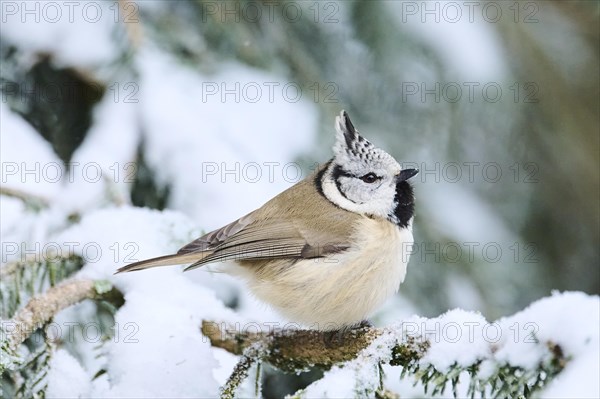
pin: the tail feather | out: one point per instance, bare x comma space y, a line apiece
167, 260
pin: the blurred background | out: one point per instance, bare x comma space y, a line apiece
211, 108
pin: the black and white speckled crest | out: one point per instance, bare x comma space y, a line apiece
352, 148
365, 179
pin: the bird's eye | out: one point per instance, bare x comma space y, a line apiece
370, 178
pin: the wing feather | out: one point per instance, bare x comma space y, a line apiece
284, 248
271, 238
217, 237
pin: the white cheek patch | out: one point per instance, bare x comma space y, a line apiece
352, 189
333, 194
378, 207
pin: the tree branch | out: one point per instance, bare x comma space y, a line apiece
297, 350
293, 350
42, 308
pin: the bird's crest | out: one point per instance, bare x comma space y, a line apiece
351, 147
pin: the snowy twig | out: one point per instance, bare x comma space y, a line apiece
42, 308
294, 350
252, 354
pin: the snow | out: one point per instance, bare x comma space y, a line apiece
164, 340
457, 336
356, 378
29, 167
569, 319
114, 236
552, 319
221, 137
66, 376
10, 213
105, 160
340, 383
578, 380
28, 162
64, 29
158, 327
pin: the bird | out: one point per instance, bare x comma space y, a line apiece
328, 251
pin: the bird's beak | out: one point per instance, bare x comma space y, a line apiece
406, 174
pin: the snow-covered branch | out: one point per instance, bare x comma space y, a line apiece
42, 308
458, 351
294, 350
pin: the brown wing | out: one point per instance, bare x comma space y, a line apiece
288, 226
267, 239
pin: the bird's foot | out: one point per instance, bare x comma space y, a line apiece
364, 324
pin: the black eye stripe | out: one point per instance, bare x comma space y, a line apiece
336, 172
